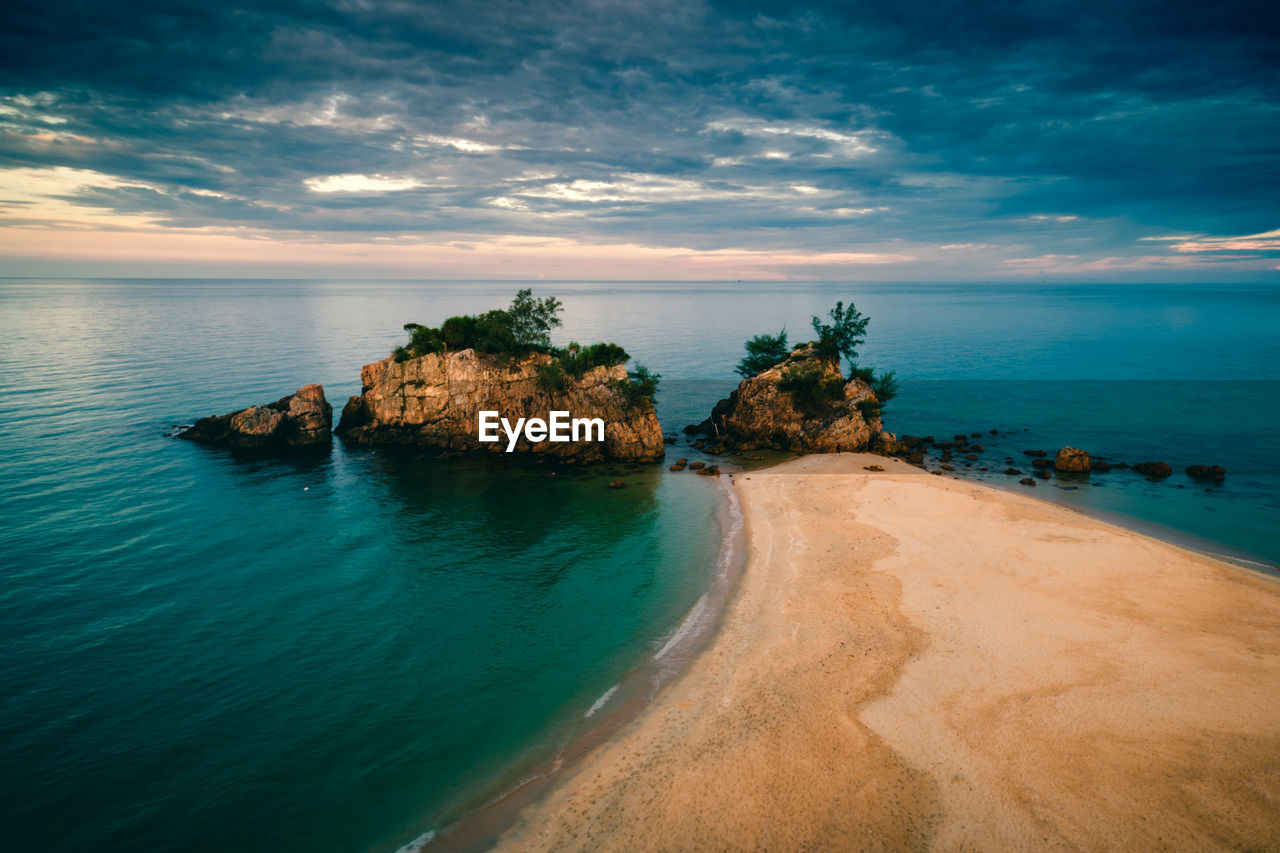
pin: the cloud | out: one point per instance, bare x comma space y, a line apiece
802, 130
1267, 241
360, 184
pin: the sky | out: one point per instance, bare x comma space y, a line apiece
902, 141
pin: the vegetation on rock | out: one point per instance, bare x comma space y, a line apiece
812, 389
763, 352
523, 328
639, 385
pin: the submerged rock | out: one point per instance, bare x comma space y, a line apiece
826, 415
1206, 472
1154, 470
436, 399
301, 419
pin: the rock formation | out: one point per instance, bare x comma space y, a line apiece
303, 418
840, 416
1153, 470
1071, 459
435, 400
1206, 472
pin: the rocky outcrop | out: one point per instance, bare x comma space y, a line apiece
435, 400
841, 416
303, 418
1206, 472
1153, 470
1071, 459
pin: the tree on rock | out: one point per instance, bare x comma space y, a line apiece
763, 352
843, 335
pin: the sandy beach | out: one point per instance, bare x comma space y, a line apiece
914, 662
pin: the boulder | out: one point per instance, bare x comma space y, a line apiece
1071, 459
435, 400
1034, 453
1206, 472
1154, 470
887, 444
1012, 472
1027, 481
301, 419
828, 415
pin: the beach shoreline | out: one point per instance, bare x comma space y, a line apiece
672, 653
913, 661
1182, 539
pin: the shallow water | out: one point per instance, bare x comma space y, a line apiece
341, 650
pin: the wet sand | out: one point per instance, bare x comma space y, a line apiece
914, 662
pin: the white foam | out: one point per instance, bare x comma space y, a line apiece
418, 843
600, 703
689, 624
696, 618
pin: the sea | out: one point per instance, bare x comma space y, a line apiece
351, 649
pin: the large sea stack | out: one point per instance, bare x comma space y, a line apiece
303, 418
825, 414
435, 400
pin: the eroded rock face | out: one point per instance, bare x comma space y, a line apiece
760, 414
435, 400
301, 419
1071, 459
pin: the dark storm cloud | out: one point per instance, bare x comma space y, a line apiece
1046, 128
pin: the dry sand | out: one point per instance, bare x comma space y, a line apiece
912, 662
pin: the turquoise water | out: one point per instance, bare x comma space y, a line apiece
343, 649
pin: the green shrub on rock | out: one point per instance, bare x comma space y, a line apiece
763, 352
640, 385
812, 389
